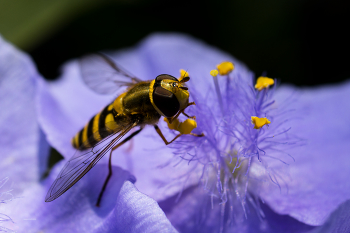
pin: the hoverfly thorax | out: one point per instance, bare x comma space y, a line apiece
169, 95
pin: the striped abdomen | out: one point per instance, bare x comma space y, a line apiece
100, 126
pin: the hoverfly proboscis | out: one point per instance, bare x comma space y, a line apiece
143, 103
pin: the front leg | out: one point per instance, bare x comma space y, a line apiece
162, 136
176, 137
170, 119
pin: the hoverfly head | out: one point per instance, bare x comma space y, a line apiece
169, 95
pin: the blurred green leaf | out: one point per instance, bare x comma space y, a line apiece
28, 22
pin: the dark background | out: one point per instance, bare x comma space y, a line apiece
300, 42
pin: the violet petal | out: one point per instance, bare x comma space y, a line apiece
193, 213
22, 144
338, 221
318, 181
122, 207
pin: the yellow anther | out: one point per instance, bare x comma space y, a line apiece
263, 82
187, 126
174, 125
259, 122
225, 67
183, 73
214, 73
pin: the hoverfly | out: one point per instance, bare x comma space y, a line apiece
143, 103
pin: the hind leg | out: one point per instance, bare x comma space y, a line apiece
110, 165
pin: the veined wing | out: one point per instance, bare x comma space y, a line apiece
103, 75
81, 163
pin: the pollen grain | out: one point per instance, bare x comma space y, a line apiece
259, 122
263, 82
214, 73
225, 67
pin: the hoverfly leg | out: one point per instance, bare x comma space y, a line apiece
197, 135
170, 119
183, 111
110, 164
106, 180
192, 117
162, 136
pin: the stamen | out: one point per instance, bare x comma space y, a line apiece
263, 82
214, 73
174, 124
185, 127
225, 67
236, 167
259, 122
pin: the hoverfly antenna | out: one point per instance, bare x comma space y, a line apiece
185, 79
184, 76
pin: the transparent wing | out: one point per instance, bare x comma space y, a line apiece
82, 162
103, 75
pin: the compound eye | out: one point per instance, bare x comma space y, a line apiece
166, 101
165, 76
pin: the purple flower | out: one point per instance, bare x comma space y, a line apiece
289, 176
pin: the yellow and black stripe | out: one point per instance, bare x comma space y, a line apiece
100, 126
